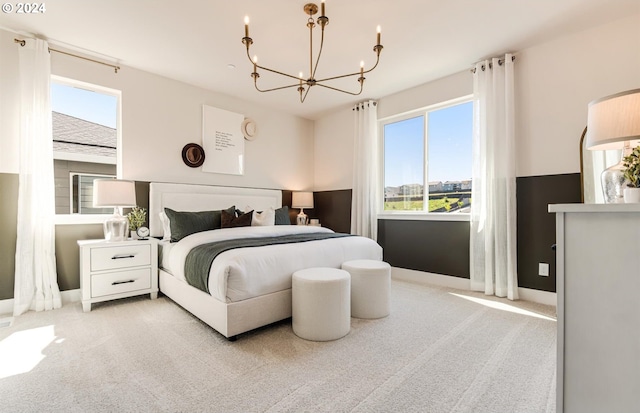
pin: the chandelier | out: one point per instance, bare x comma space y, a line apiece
310, 9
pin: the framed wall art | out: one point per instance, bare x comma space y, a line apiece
222, 141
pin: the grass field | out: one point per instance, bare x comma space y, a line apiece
418, 205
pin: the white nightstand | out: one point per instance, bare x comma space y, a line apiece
111, 270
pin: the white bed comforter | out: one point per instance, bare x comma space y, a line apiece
244, 273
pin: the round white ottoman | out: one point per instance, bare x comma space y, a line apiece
370, 284
321, 303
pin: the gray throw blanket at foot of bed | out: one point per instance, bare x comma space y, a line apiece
198, 262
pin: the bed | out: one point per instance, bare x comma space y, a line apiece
248, 287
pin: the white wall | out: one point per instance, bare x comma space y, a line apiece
450, 87
554, 83
8, 104
333, 152
160, 116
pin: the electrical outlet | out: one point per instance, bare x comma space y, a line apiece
543, 269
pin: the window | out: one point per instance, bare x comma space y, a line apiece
427, 156
85, 142
82, 194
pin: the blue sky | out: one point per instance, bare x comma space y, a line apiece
84, 104
450, 132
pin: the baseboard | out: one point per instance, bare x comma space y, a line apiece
6, 306
421, 277
427, 278
68, 297
537, 296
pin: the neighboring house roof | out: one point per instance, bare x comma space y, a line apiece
74, 135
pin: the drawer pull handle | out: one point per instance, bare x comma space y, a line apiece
123, 282
118, 257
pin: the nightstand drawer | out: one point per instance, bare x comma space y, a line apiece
124, 256
120, 282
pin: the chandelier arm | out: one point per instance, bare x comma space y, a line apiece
313, 74
311, 26
305, 95
275, 88
280, 73
343, 91
350, 74
374, 66
270, 70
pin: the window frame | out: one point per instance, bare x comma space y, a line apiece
76, 219
417, 215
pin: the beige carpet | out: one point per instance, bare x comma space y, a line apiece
436, 352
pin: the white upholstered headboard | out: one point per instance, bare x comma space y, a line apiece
188, 197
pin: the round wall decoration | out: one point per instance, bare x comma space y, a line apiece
249, 129
193, 155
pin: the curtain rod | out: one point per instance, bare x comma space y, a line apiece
116, 68
500, 62
361, 105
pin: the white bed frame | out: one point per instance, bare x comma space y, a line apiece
230, 319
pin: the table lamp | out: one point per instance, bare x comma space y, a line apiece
302, 200
613, 122
116, 193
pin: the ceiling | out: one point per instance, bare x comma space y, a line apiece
195, 41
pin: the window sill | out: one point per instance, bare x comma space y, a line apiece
421, 216
77, 219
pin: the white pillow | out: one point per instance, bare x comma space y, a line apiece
166, 226
264, 218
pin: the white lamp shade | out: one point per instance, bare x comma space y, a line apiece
114, 193
613, 120
302, 200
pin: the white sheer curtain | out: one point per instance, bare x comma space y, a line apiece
36, 284
493, 209
364, 198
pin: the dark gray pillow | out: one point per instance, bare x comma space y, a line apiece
185, 223
282, 216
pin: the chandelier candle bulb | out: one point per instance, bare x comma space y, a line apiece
361, 68
322, 8
378, 35
246, 27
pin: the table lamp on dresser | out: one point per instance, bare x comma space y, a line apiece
613, 122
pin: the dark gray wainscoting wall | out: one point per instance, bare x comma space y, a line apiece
537, 227
333, 209
442, 247
8, 230
431, 246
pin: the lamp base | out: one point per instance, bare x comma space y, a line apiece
613, 180
116, 228
302, 218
